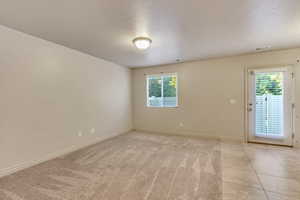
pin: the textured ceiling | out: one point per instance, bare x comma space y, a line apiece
184, 29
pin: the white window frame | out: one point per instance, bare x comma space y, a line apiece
162, 88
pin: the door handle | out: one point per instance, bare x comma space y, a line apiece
250, 107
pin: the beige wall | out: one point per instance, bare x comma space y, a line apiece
205, 89
48, 93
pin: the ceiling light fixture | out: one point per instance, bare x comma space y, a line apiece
142, 43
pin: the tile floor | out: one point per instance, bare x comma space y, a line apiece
258, 172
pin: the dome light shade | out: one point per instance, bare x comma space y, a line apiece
142, 43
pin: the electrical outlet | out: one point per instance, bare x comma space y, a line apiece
232, 101
181, 124
79, 134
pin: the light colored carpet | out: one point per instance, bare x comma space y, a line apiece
134, 166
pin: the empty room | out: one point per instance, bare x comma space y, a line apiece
150, 100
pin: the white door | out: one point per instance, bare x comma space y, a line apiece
270, 105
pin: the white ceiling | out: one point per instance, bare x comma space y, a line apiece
184, 29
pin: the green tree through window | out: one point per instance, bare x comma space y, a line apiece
269, 83
170, 86
155, 87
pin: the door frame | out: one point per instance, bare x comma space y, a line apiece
246, 107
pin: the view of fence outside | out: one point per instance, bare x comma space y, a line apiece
165, 101
269, 114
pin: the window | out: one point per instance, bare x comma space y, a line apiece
162, 90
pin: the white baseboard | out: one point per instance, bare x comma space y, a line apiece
27, 164
195, 135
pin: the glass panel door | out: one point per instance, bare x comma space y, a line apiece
269, 89
269, 106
